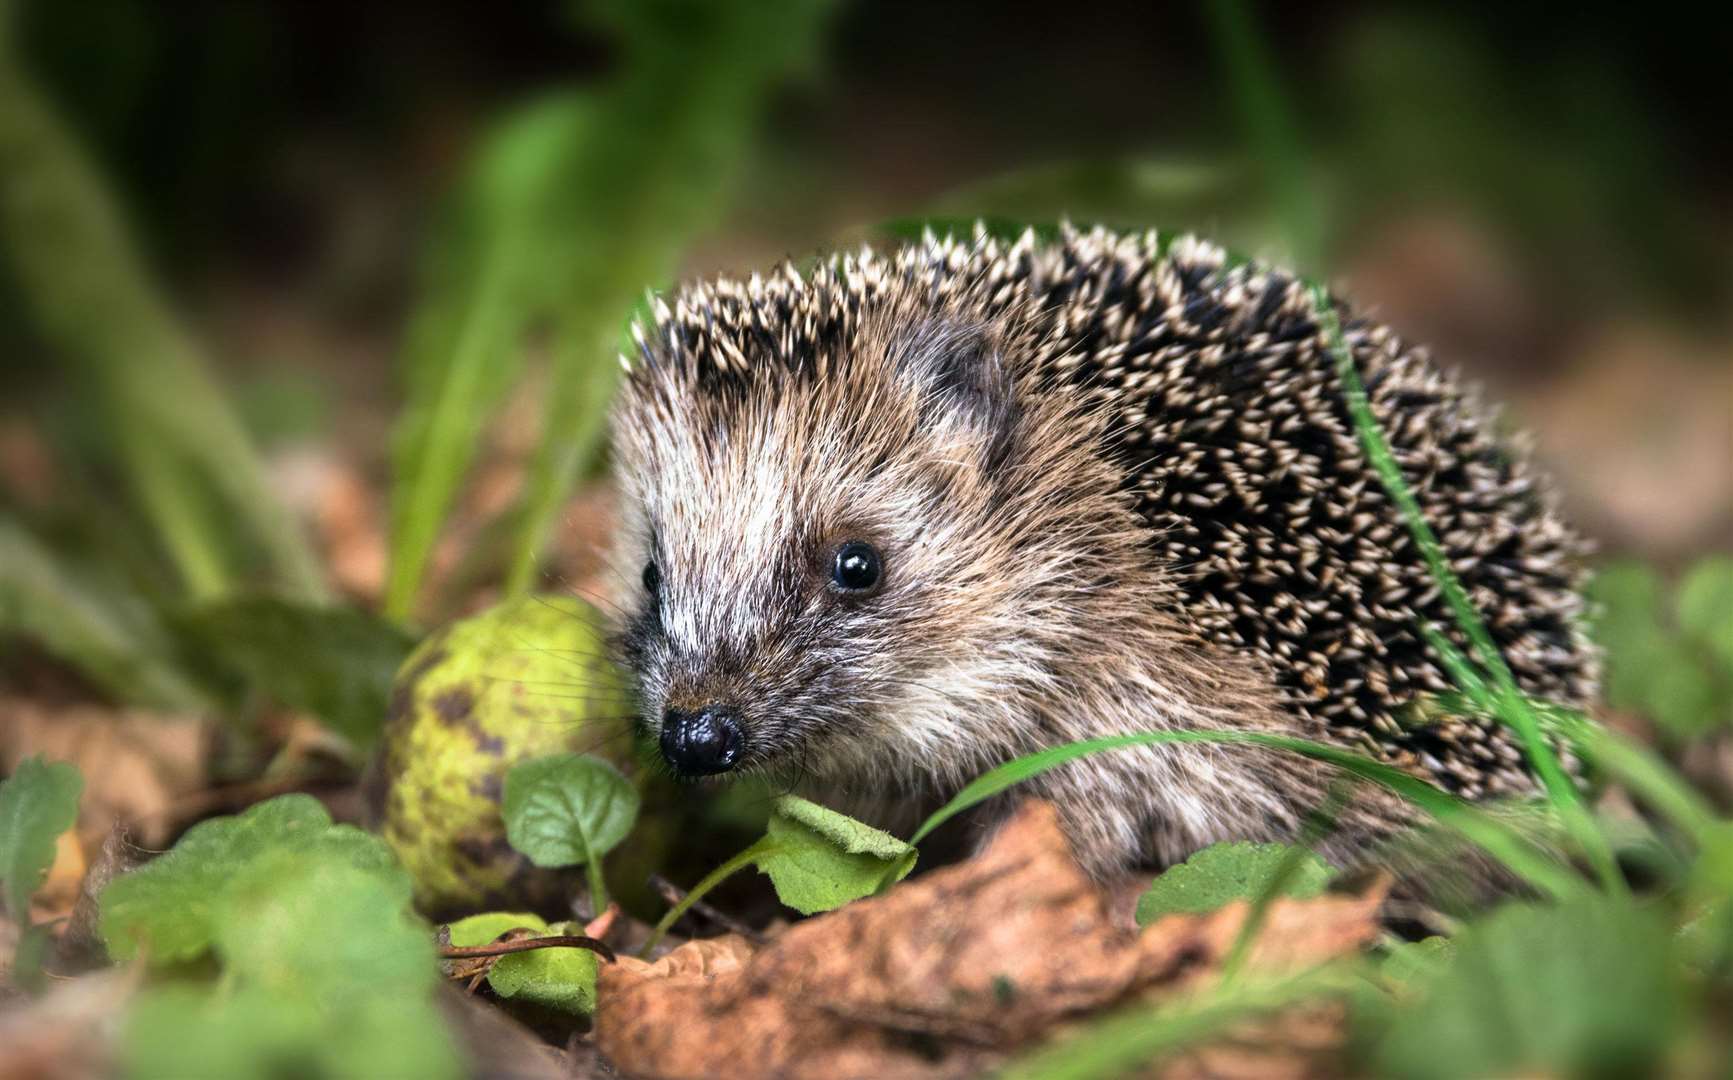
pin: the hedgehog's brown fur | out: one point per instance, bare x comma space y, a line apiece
1117, 489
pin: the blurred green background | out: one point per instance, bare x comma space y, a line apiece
325, 303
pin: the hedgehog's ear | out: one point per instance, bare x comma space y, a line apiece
964, 383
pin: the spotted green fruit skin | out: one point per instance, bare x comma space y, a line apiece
520, 680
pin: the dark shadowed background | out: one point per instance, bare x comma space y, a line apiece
1545, 200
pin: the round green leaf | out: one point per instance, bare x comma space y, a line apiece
325, 974
1223, 873
171, 903
567, 809
559, 978
819, 860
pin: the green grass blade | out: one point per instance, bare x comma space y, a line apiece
1635, 766
437, 436
1318, 825
1509, 847
1461, 670
92, 297
1272, 131
1641, 771
585, 373
764, 846
667, 140
577, 204
494, 269
1512, 705
1389, 473
171, 498
1121, 1044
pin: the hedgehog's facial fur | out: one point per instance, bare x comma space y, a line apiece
1011, 556
741, 504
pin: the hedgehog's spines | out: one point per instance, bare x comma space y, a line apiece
1221, 403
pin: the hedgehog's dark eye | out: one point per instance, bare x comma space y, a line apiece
857, 567
652, 579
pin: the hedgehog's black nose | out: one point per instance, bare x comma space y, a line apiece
702, 743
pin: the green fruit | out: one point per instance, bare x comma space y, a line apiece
524, 679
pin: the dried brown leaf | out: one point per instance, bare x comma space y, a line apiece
136, 764
943, 976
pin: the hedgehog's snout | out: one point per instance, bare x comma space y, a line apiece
702, 742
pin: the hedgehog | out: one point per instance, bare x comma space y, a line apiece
897, 519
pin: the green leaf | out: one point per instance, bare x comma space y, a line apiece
485, 929
1706, 607
662, 150
317, 917
1630, 597
177, 1031
574, 205
487, 277
324, 975
1627, 623
1223, 873
819, 860
38, 802
791, 813
1520, 855
1652, 668
1681, 695
170, 905
336, 663
567, 809
1587, 988
558, 978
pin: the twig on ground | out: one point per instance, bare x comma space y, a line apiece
502, 948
